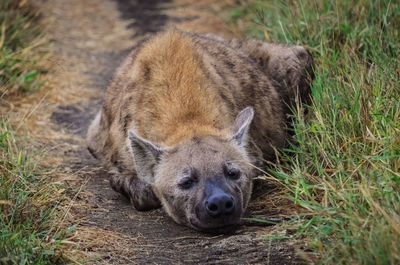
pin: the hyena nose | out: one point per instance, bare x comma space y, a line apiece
220, 204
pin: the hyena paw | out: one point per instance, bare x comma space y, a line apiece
142, 196
137, 191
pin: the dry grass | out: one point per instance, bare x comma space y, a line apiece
31, 206
22, 48
31, 203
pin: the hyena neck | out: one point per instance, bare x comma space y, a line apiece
179, 99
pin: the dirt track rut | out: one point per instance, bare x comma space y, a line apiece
90, 40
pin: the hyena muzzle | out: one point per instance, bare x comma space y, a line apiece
188, 117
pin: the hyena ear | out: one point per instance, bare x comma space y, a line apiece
241, 125
146, 156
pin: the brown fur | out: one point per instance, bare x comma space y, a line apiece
180, 93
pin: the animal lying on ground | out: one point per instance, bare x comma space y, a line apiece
188, 117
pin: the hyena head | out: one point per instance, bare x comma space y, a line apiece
204, 182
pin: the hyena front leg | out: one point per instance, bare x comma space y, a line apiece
137, 191
290, 67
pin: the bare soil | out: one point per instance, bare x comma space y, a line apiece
90, 39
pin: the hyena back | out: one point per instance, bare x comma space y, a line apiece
174, 129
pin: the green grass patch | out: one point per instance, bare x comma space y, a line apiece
344, 163
31, 211
22, 47
30, 218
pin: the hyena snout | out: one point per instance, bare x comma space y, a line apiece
219, 208
220, 204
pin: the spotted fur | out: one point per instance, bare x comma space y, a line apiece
174, 106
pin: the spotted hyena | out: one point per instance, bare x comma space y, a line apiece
188, 117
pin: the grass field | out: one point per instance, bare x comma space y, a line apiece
30, 231
22, 47
30, 212
344, 163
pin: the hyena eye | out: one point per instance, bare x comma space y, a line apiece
186, 183
232, 172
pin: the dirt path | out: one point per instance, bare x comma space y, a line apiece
90, 39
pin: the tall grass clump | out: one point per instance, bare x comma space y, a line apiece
29, 207
30, 204
344, 161
22, 47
